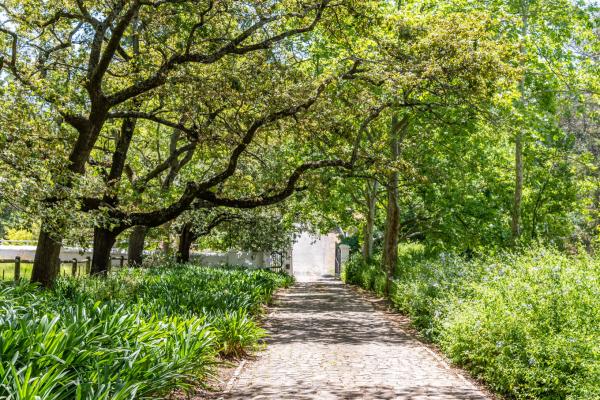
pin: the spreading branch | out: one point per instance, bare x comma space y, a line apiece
234, 46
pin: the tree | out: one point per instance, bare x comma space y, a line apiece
427, 69
398, 129
201, 194
76, 59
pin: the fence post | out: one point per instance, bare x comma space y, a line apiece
122, 261
88, 265
17, 268
74, 267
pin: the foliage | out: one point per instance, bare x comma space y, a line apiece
19, 234
530, 327
237, 333
136, 334
364, 273
526, 323
265, 229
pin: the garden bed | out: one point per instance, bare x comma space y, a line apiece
137, 333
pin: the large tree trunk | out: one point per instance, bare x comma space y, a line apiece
392, 228
186, 238
104, 239
165, 244
392, 222
46, 263
135, 248
371, 198
45, 269
103, 244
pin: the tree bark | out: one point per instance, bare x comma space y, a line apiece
165, 244
186, 238
518, 194
392, 228
44, 271
135, 249
103, 244
392, 222
46, 263
371, 198
103, 237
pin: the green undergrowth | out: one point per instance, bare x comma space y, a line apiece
528, 324
135, 334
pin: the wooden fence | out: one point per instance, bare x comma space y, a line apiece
75, 265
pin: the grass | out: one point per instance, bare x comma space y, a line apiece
7, 270
136, 334
527, 323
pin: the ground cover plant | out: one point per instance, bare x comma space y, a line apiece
135, 334
527, 323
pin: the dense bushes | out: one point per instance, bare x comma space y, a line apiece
365, 274
528, 324
133, 335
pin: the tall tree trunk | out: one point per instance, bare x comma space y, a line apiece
46, 262
392, 228
518, 194
165, 245
392, 222
371, 198
44, 271
135, 248
45, 268
186, 238
104, 241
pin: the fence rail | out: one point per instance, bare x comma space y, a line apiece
74, 262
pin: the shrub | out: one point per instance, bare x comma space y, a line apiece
236, 333
531, 328
366, 274
526, 323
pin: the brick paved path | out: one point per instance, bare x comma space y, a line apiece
328, 343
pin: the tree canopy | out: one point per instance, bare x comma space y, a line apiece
192, 116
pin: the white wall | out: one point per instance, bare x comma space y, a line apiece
27, 253
232, 257
314, 255
311, 255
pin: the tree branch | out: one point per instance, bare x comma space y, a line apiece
96, 75
163, 166
283, 194
232, 47
251, 133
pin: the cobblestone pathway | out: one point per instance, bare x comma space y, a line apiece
328, 343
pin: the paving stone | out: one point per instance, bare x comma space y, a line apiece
327, 343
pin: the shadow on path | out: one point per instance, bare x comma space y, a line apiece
327, 343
